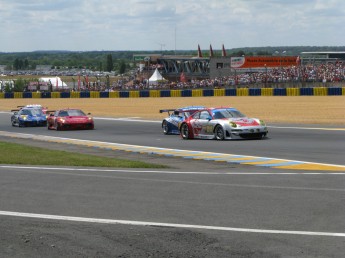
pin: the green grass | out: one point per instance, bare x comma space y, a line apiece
12, 153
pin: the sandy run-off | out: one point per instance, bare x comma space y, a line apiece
328, 110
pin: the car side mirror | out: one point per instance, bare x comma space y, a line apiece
209, 118
89, 113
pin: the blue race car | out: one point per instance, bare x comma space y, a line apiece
175, 116
28, 116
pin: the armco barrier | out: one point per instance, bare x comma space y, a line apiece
315, 91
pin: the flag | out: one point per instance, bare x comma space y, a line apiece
223, 51
211, 51
79, 82
183, 77
298, 60
199, 51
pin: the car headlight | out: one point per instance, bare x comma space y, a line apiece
24, 117
90, 118
61, 120
232, 124
262, 123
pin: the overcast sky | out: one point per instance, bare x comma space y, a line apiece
86, 25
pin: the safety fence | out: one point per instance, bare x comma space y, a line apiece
319, 91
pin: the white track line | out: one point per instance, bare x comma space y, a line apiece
173, 225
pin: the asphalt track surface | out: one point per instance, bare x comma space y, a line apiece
195, 209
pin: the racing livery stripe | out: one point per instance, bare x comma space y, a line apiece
198, 155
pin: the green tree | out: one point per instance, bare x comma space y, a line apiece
110, 65
19, 85
122, 67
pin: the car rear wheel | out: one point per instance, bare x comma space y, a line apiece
165, 127
219, 133
184, 131
13, 122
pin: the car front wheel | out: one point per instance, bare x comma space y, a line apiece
219, 133
165, 127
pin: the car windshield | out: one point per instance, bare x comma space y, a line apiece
72, 112
226, 113
32, 112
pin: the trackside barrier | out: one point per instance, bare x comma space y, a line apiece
267, 92
197, 93
292, 92
104, 94
46, 95
320, 91
219, 92
124, 94
55, 95
18, 95
36, 95
75, 94
207, 93
186, 93
155, 93
165, 93
306, 91
114, 94
315, 91
230, 92
67, 95
334, 91
144, 93
175, 93
134, 94
26, 95
9, 95
279, 92
94, 94
85, 94
254, 92
242, 92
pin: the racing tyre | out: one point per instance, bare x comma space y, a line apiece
184, 131
13, 122
165, 127
219, 133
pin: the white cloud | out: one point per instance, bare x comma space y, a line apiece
28, 25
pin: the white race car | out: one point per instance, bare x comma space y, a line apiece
222, 123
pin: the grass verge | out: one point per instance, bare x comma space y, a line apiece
13, 153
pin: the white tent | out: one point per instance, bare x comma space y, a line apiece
156, 77
55, 81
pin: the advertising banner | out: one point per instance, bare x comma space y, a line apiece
262, 62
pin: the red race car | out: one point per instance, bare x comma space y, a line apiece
66, 119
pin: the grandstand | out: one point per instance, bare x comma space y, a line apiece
322, 57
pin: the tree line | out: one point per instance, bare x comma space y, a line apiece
120, 61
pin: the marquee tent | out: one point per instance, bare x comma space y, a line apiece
156, 77
55, 81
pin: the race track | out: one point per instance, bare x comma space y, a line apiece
196, 211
